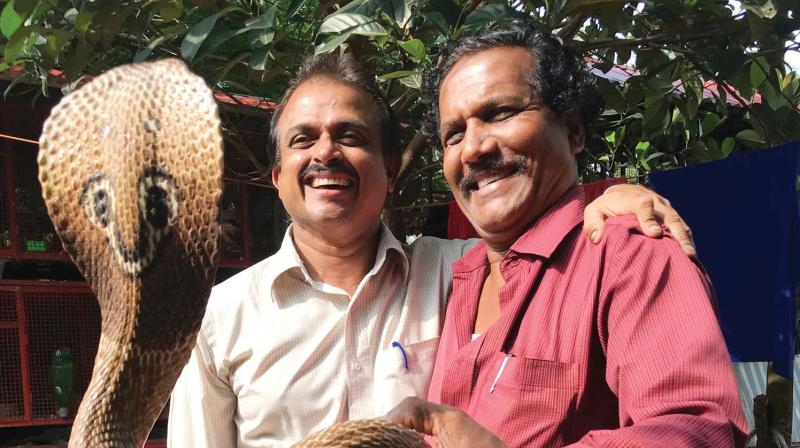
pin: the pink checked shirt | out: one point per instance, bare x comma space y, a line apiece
612, 345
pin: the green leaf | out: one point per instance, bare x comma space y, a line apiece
775, 100
611, 95
168, 33
145, 52
656, 115
750, 138
413, 81
485, 14
397, 74
294, 7
10, 20
77, 59
171, 10
258, 60
727, 146
765, 10
262, 22
351, 23
362, 7
221, 35
261, 38
83, 20
438, 19
710, 122
399, 11
196, 36
331, 44
20, 42
415, 48
56, 41
572, 5
758, 69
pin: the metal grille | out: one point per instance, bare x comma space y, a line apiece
8, 308
11, 401
5, 230
36, 233
60, 320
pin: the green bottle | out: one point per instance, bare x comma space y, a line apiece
63, 376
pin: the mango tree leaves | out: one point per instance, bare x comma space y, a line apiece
353, 24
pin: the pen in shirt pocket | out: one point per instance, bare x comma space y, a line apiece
399, 346
499, 372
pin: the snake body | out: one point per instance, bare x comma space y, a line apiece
130, 166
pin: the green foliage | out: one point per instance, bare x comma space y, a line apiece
702, 80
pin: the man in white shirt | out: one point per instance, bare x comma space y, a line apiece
343, 321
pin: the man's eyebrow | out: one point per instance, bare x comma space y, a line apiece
343, 124
352, 124
489, 103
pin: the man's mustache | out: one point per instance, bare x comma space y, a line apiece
336, 166
491, 166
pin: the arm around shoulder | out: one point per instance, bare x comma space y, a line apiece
666, 358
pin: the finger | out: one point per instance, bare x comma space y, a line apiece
412, 413
648, 219
594, 222
682, 233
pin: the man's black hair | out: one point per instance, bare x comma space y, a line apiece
561, 79
347, 70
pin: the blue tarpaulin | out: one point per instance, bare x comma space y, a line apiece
744, 214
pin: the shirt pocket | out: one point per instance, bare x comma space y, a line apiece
531, 402
409, 377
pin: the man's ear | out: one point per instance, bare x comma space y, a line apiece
576, 133
276, 176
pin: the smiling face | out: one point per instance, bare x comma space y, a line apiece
332, 174
507, 157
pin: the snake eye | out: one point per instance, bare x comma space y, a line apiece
158, 198
96, 200
101, 207
157, 208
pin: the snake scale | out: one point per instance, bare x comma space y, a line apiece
131, 171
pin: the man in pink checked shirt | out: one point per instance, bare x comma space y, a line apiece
550, 340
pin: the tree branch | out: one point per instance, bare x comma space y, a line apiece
571, 27
661, 39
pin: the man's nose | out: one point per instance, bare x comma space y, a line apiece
478, 143
326, 150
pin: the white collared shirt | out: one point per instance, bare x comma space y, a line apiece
280, 356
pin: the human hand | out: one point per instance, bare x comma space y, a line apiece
449, 427
651, 209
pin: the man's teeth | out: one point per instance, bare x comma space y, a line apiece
485, 182
329, 181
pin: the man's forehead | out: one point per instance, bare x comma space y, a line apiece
320, 101
512, 65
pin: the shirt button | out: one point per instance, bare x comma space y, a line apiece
356, 366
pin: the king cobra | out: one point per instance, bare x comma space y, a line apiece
131, 171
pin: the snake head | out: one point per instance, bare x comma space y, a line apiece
158, 197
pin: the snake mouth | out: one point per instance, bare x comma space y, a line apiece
158, 211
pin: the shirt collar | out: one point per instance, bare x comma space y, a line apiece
542, 237
287, 258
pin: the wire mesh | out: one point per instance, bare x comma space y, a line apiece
60, 320
5, 230
11, 400
36, 233
11, 403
